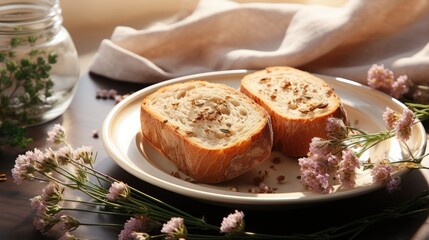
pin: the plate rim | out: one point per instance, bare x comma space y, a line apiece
222, 198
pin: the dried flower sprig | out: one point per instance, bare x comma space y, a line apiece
421, 110
63, 167
337, 156
383, 79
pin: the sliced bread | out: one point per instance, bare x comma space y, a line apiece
298, 102
211, 131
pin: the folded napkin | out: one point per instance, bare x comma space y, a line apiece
342, 41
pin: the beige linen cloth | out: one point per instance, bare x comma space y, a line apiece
220, 35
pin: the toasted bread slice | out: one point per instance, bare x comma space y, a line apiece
211, 131
298, 102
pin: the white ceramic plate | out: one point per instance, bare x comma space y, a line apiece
365, 106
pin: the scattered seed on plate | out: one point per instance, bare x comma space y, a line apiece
95, 133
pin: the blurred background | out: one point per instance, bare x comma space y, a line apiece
89, 22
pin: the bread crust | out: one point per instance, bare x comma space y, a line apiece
293, 130
205, 164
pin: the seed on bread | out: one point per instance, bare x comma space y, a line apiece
298, 102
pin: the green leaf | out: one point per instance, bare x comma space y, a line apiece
32, 40
25, 82
14, 42
14, 135
52, 58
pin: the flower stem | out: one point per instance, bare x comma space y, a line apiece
102, 224
96, 211
420, 110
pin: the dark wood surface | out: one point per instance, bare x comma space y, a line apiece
87, 113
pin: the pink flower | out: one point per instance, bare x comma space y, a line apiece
24, 165
314, 172
335, 128
381, 172
21, 170
52, 193
390, 117
333, 161
403, 126
380, 78
393, 184
350, 161
35, 155
57, 134
400, 87
62, 224
118, 190
319, 146
64, 155
401, 123
68, 223
136, 224
234, 223
175, 228
47, 162
383, 79
316, 182
38, 204
85, 153
44, 222
347, 169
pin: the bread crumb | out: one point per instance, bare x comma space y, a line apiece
281, 178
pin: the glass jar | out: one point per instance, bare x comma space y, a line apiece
39, 68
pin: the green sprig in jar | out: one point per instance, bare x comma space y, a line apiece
39, 68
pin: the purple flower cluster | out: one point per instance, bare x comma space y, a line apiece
70, 167
336, 158
233, 224
327, 161
40, 165
383, 79
400, 123
383, 173
347, 167
47, 207
140, 226
117, 191
36, 161
175, 228
137, 228
57, 134
315, 173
